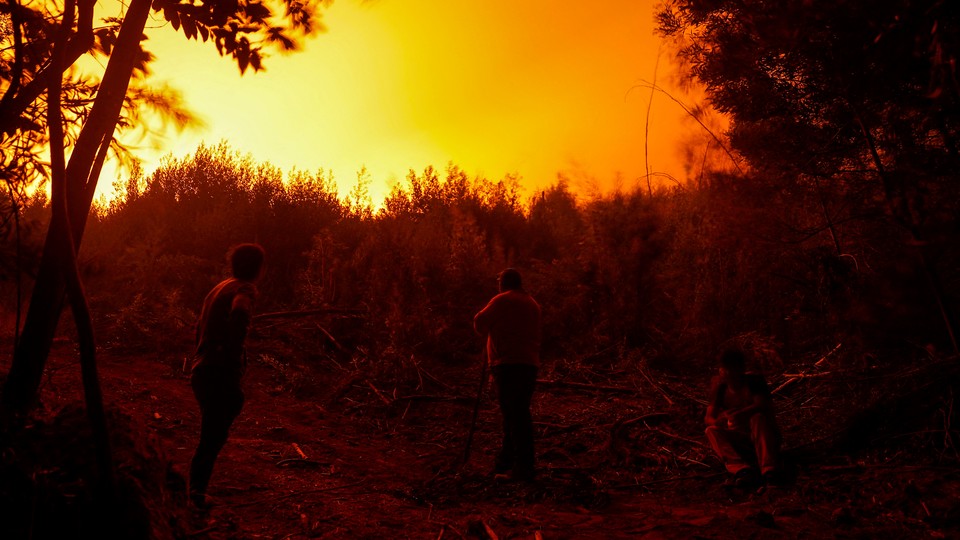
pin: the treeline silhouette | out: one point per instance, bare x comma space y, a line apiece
667, 277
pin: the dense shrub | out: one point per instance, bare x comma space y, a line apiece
772, 263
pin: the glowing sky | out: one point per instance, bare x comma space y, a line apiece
497, 87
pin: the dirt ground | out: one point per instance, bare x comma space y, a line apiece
323, 452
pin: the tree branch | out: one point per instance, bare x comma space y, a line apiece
18, 102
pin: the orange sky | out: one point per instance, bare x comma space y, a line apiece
497, 87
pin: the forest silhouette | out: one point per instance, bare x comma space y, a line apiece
828, 253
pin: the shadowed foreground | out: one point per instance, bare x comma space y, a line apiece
322, 453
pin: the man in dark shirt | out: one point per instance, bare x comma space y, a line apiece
220, 361
511, 324
740, 423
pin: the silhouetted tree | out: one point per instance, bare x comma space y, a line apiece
851, 101
238, 29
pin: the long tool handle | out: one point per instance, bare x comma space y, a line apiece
476, 406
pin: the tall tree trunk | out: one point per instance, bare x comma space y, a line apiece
82, 173
900, 210
71, 273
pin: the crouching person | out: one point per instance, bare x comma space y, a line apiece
741, 427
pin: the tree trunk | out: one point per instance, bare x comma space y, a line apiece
71, 273
82, 173
900, 210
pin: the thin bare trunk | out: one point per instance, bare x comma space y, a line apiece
646, 128
82, 173
71, 273
899, 208
828, 219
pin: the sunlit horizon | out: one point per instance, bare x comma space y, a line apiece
493, 88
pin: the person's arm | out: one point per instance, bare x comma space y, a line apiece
483, 320
711, 418
714, 411
238, 322
760, 403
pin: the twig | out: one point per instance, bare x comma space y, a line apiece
656, 386
687, 110
446, 526
198, 532
332, 339
296, 447
624, 423
785, 384
678, 437
434, 379
666, 480
828, 355
380, 395
558, 428
646, 127
683, 458
294, 494
307, 313
300, 462
586, 386
432, 397
490, 533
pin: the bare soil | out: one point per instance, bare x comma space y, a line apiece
320, 451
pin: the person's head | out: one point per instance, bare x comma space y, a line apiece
510, 280
246, 261
733, 364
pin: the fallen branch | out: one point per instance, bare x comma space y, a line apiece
298, 462
678, 437
667, 480
332, 339
828, 355
432, 397
434, 379
682, 458
490, 533
204, 530
656, 387
444, 526
619, 424
784, 385
307, 313
617, 430
380, 395
586, 386
294, 494
296, 447
557, 428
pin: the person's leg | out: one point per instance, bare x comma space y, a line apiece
766, 442
505, 393
218, 409
213, 435
526, 378
726, 444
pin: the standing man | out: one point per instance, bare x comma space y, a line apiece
220, 360
511, 324
741, 427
